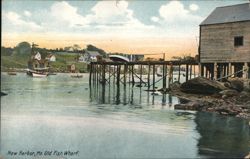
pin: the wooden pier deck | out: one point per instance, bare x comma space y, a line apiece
124, 72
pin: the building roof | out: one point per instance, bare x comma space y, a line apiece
50, 55
92, 53
227, 14
118, 58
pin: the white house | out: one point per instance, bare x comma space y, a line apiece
51, 58
81, 59
38, 56
90, 56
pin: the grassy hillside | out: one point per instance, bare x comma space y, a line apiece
60, 65
62, 60
13, 62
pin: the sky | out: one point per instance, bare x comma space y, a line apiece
132, 26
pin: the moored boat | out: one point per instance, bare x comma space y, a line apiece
76, 76
37, 72
12, 73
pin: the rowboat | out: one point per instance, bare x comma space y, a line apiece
11, 73
76, 76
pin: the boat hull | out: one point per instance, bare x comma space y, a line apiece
36, 74
40, 75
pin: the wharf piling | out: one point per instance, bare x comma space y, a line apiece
129, 72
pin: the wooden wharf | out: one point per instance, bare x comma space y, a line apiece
125, 73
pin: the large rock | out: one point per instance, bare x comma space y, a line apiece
229, 93
236, 84
201, 85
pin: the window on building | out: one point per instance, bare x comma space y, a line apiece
238, 41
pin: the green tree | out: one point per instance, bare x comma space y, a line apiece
93, 48
6, 51
22, 49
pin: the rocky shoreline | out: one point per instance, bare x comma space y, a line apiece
230, 98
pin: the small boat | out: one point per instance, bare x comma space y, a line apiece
36, 74
76, 76
12, 73
41, 72
159, 75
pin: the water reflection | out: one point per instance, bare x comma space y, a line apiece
128, 94
105, 127
222, 137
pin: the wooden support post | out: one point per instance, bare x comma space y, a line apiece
229, 69
153, 77
133, 78
194, 71
201, 71
149, 67
179, 73
245, 70
140, 75
186, 72
103, 82
170, 73
94, 73
206, 71
103, 74
97, 74
224, 70
118, 76
118, 84
215, 71
109, 73
220, 71
190, 75
90, 74
125, 75
129, 74
114, 68
164, 77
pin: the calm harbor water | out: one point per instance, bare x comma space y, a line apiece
60, 113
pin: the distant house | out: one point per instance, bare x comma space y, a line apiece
71, 68
81, 58
90, 56
51, 58
36, 61
69, 49
37, 64
224, 48
38, 56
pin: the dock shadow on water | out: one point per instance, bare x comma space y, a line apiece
129, 95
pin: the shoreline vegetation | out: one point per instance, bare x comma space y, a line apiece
17, 58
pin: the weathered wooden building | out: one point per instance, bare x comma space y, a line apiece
225, 42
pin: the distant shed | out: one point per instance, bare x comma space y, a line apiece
224, 47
